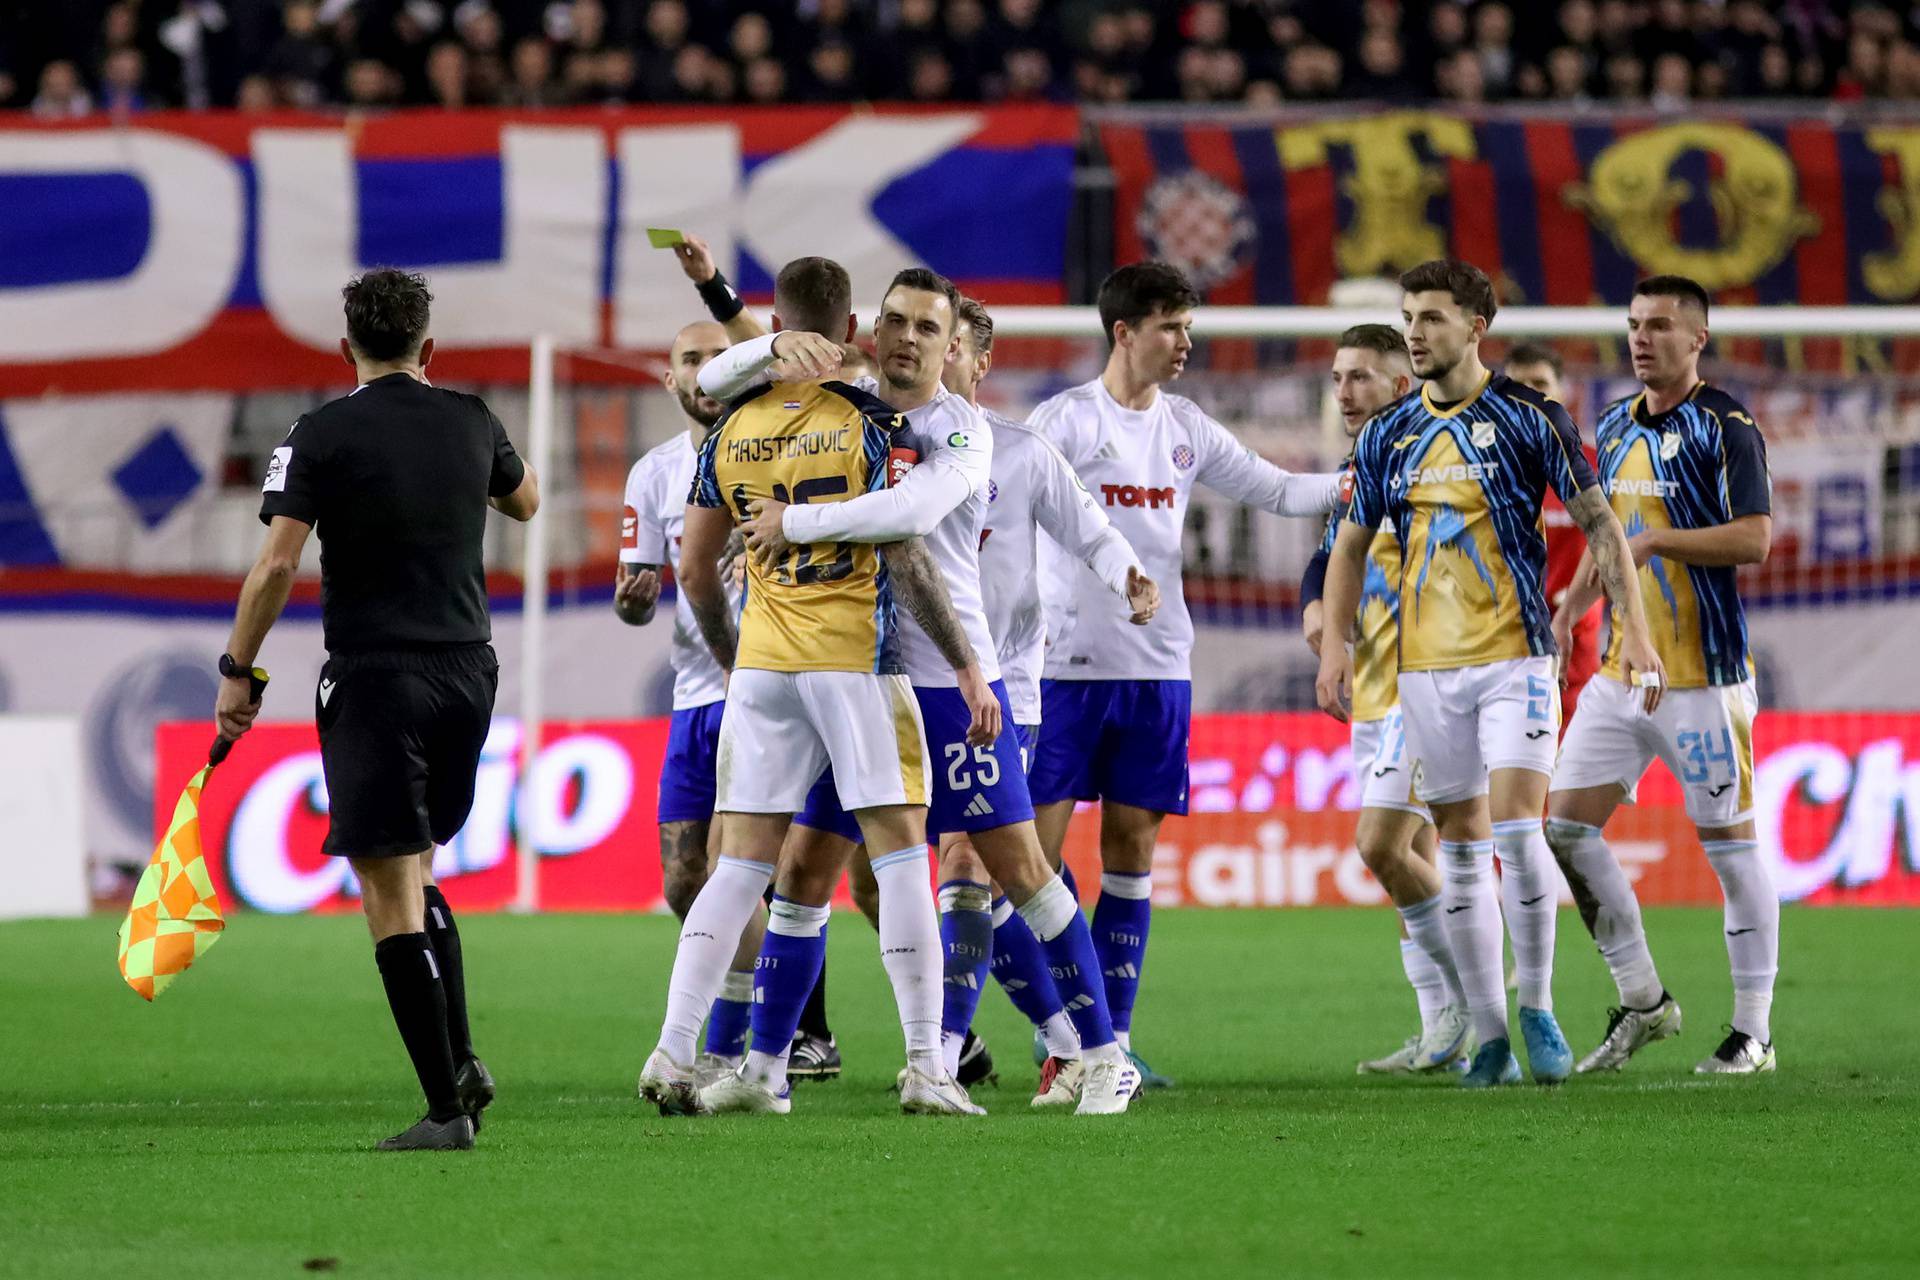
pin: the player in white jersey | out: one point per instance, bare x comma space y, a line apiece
980, 789
1371, 369
650, 525
1032, 489
1118, 698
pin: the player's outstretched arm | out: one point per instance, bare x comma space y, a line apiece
262, 598
702, 539
1613, 565
917, 582
1346, 571
722, 299
1227, 466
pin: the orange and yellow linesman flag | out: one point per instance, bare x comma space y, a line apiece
175, 917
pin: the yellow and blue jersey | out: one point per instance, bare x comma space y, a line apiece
1699, 464
823, 607
1462, 484
1376, 649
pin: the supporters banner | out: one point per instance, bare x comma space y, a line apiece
1565, 210
208, 250
1837, 800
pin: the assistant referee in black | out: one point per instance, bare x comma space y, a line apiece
397, 477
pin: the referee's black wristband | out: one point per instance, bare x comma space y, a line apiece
723, 301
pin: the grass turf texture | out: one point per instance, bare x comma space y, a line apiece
224, 1131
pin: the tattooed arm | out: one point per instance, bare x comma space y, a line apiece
1612, 562
917, 582
701, 541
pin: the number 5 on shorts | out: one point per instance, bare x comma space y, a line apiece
1539, 699
959, 777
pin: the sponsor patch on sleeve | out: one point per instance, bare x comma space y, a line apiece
277, 463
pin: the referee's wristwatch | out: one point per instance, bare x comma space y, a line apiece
233, 670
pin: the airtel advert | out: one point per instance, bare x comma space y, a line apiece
1274, 799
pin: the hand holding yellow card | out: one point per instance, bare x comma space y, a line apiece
664, 237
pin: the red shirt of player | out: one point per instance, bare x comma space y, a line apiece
1565, 543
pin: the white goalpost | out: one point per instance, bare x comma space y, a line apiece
1082, 323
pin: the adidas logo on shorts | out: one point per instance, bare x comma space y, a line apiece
977, 807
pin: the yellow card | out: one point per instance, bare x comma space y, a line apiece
664, 237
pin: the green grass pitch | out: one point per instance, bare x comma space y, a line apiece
224, 1131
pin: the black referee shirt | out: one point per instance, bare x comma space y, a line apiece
395, 479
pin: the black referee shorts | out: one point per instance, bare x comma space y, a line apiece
400, 740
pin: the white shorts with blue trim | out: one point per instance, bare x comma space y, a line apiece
1704, 736
1383, 766
1465, 722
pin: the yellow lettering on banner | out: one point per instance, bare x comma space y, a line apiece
1631, 195
1389, 185
1894, 274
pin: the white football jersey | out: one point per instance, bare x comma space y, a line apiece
1140, 466
1034, 489
650, 534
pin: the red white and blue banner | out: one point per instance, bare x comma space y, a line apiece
193, 251
1567, 210
1274, 797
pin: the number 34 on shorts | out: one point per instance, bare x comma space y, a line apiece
1704, 736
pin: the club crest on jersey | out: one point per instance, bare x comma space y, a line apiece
1481, 433
993, 492
1669, 446
1183, 457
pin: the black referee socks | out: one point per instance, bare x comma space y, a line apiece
444, 934
414, 993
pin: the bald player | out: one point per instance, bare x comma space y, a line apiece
650, 526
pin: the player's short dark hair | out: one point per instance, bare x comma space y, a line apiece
1673, 287
973, 314
1465, 283
1142, 289
814, 295
387, 312
1537, 353
1382, 339
928, 280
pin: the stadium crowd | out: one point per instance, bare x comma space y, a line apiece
79, 57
